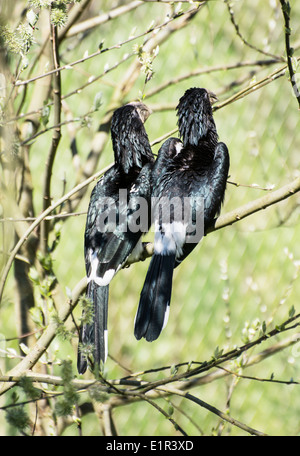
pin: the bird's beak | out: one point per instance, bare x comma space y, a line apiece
212, 97
143, 110
147, 113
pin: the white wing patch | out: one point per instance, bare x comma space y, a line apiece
166, 317
178, 147
100, 281
169, 238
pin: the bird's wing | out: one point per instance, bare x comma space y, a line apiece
113, 230
154, 304
101, 220
217, 177
207, 199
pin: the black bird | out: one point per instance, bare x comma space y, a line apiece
111, 234
193, 173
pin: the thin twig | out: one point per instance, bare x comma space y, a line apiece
238, 214
259, 379
39, 219
212, 409
90, 23
55, 127
253, 87
73, 17
257, 205
286, 11
208, 70
237, 29
102, 51
165, 414
49, 217
55, 138
255, 186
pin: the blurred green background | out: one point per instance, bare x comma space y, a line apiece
237, 276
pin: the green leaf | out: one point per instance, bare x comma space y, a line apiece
18, 418
170, 410
292, 311
218, 353
27, 385
97, 101
64, 406
45, 115
174, 369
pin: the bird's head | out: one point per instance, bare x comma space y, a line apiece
195, 119
129, 138
142, 110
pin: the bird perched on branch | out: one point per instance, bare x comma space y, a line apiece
189, 180
112, 231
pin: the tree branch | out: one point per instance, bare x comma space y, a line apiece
88, 24
38, 220
212, 409
55, 138
237, 29
257, 205
286, 11
208, 70
150, 391
73, 17
115, 46
46, 338
238, 214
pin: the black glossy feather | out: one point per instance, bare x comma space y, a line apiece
129, 138
153, 309
194, 170
108, 239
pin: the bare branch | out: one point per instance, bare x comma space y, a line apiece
237, 29
55, 138
38, 220
207, 70
73, 17
46, 338
253, 87
212, 409
257, 205
101, 19
240, 213
286, 11
102, 51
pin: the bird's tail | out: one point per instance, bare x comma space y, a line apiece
93, 335
153, 310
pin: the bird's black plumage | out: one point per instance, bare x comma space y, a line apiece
109, 238
193, 170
